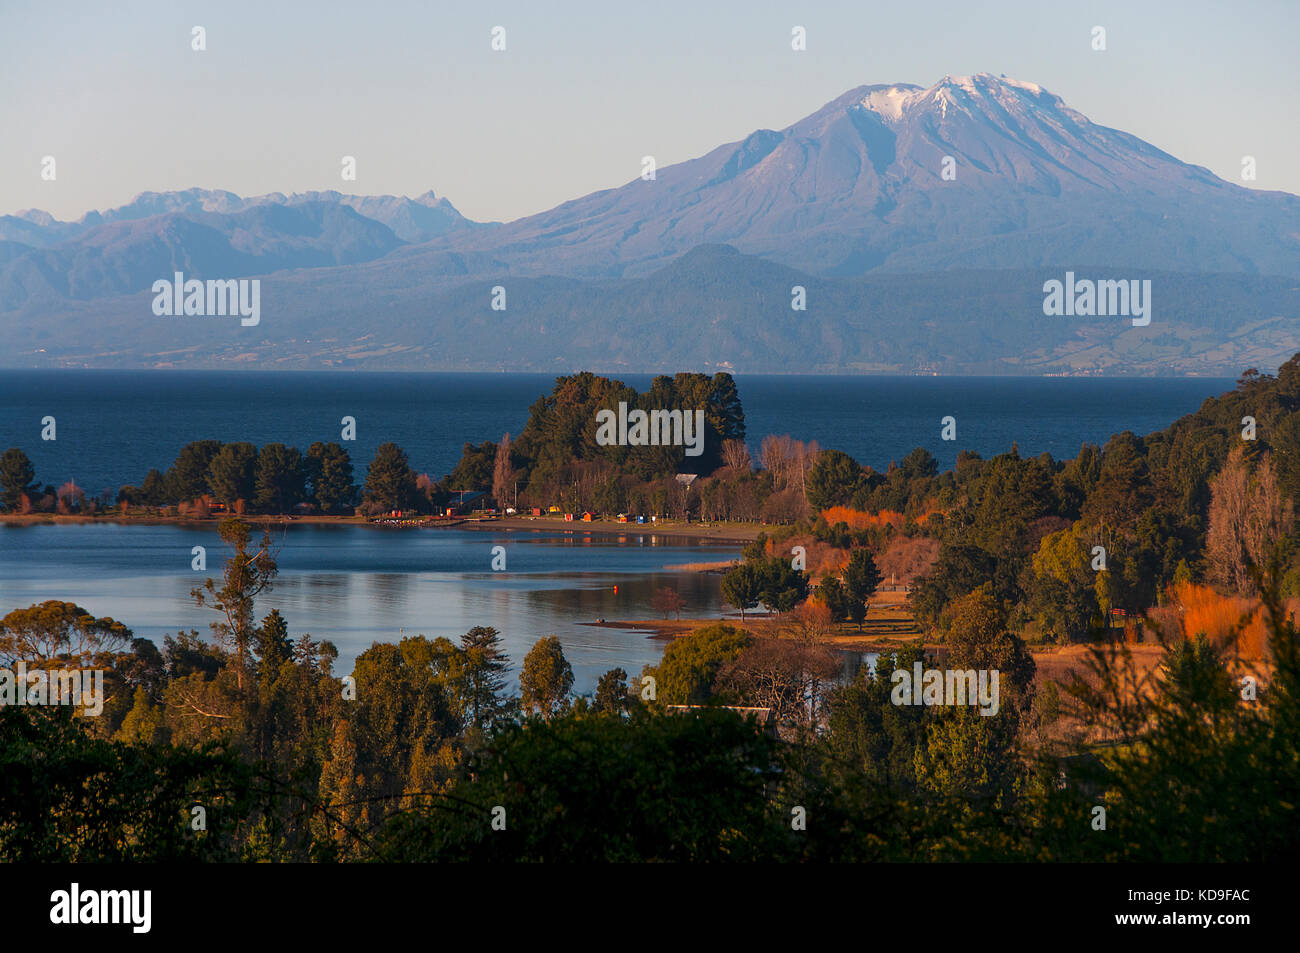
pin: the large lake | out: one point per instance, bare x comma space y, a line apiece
357, 585
113, 426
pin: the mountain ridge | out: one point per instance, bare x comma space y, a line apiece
973, 174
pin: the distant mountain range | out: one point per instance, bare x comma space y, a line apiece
922, 223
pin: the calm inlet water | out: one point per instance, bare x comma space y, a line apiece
357, 585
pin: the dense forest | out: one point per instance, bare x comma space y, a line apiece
245, 745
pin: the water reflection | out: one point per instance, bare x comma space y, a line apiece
355, 586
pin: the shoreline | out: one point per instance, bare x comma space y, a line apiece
722, 533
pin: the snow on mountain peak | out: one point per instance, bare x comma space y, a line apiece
892, 102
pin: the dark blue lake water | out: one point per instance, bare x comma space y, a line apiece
113, 426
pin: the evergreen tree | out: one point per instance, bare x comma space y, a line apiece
329, 470
17, 477
231, 475
188, 477
281, 478
390, 482
153, 491
271, 643
485, 666
832, 594
781, 586
742, 586
861, 580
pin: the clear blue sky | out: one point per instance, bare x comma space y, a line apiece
584, 89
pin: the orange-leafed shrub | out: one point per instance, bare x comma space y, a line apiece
856, 519
1232, 623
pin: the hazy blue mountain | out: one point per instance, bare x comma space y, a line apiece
711, 308
127, 256
905, 270
410, 219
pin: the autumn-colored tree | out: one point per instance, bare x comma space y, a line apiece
503, 474
735, 455
1248, 516
667, 600
71, 497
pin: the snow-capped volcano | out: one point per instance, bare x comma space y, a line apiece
974, 171
988, 185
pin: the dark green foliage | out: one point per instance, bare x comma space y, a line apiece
546, 678
232, 475
271, 642
153, 491
484, 665
390, 481
584, 787
561, 430
281, 482
474, 471
690, 666
612, 693
68, 797
832, 595
869, 738
742, 586
1191, 765
329, 472
781, 586
861, 580
188, 477
833, 480
16, 478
